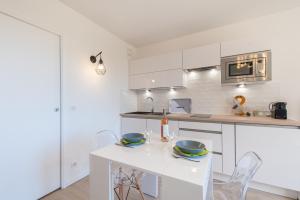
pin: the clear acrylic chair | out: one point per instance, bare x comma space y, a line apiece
121, 177
236, 187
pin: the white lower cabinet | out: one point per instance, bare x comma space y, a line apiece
154, 126
228, 144
130, 125
208, 131
216, 139
279, 149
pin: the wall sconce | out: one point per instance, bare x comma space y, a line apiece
100, 68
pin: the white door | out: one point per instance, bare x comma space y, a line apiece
29, 123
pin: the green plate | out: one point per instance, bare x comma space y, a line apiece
178, 151
128, 143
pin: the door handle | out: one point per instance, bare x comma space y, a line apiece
56, 109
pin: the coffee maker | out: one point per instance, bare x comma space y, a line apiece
278, 110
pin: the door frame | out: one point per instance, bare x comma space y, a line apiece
60, 39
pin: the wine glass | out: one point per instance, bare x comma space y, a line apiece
148, 134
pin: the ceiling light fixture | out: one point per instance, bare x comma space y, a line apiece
100, 68
200, 69
241, 85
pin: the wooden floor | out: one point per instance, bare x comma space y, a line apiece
80, 191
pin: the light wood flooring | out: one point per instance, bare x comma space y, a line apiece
80, 191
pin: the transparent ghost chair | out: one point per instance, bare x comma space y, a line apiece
123, 177
236, 187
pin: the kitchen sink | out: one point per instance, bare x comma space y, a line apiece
146, 113
200, 115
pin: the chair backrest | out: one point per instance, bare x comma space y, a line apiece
105, 138
246, 168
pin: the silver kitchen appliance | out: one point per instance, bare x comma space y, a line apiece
246, 68
180, 105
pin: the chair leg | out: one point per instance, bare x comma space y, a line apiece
138, 187
121, 191
115, 189
128, 192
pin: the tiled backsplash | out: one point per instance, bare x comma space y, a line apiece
209, 96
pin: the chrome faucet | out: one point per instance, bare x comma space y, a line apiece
152, 101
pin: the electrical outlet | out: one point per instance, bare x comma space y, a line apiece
73, 164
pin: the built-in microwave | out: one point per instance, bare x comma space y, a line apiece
246, 68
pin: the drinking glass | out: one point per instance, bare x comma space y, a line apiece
172, 135
148, 134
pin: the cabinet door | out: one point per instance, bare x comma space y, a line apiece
244, 45
217, 146
172, 60
279, 149
141, 81
154, 125
203, 56
162, 79
214, 137
130, 125
228, 142
169, 78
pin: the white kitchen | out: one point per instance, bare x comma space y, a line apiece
149, 100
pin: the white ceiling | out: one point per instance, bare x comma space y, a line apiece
142, 22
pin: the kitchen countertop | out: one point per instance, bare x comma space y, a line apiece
220, 119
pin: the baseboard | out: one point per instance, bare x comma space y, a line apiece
80, 176
264, 187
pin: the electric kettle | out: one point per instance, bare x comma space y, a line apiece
278, 110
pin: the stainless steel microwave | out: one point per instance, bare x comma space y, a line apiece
246, 68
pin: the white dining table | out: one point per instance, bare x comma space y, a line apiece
181, 179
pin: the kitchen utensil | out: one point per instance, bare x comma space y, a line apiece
186, 158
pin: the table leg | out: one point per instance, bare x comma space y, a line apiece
173, 189
100, 179
138, 187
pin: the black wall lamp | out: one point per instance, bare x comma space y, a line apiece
100, 68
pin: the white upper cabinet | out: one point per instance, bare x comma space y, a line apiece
141, 81
162, 79
172, 60
244, 45
169, 78
203, 56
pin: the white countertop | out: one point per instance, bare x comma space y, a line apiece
157, 159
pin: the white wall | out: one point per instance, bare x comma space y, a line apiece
280, 30
89, 102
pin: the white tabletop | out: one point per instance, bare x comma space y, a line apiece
157, 159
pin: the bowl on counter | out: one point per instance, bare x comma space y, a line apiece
190, 146
133, 137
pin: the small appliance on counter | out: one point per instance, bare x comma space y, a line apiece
278, 110
180, 105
